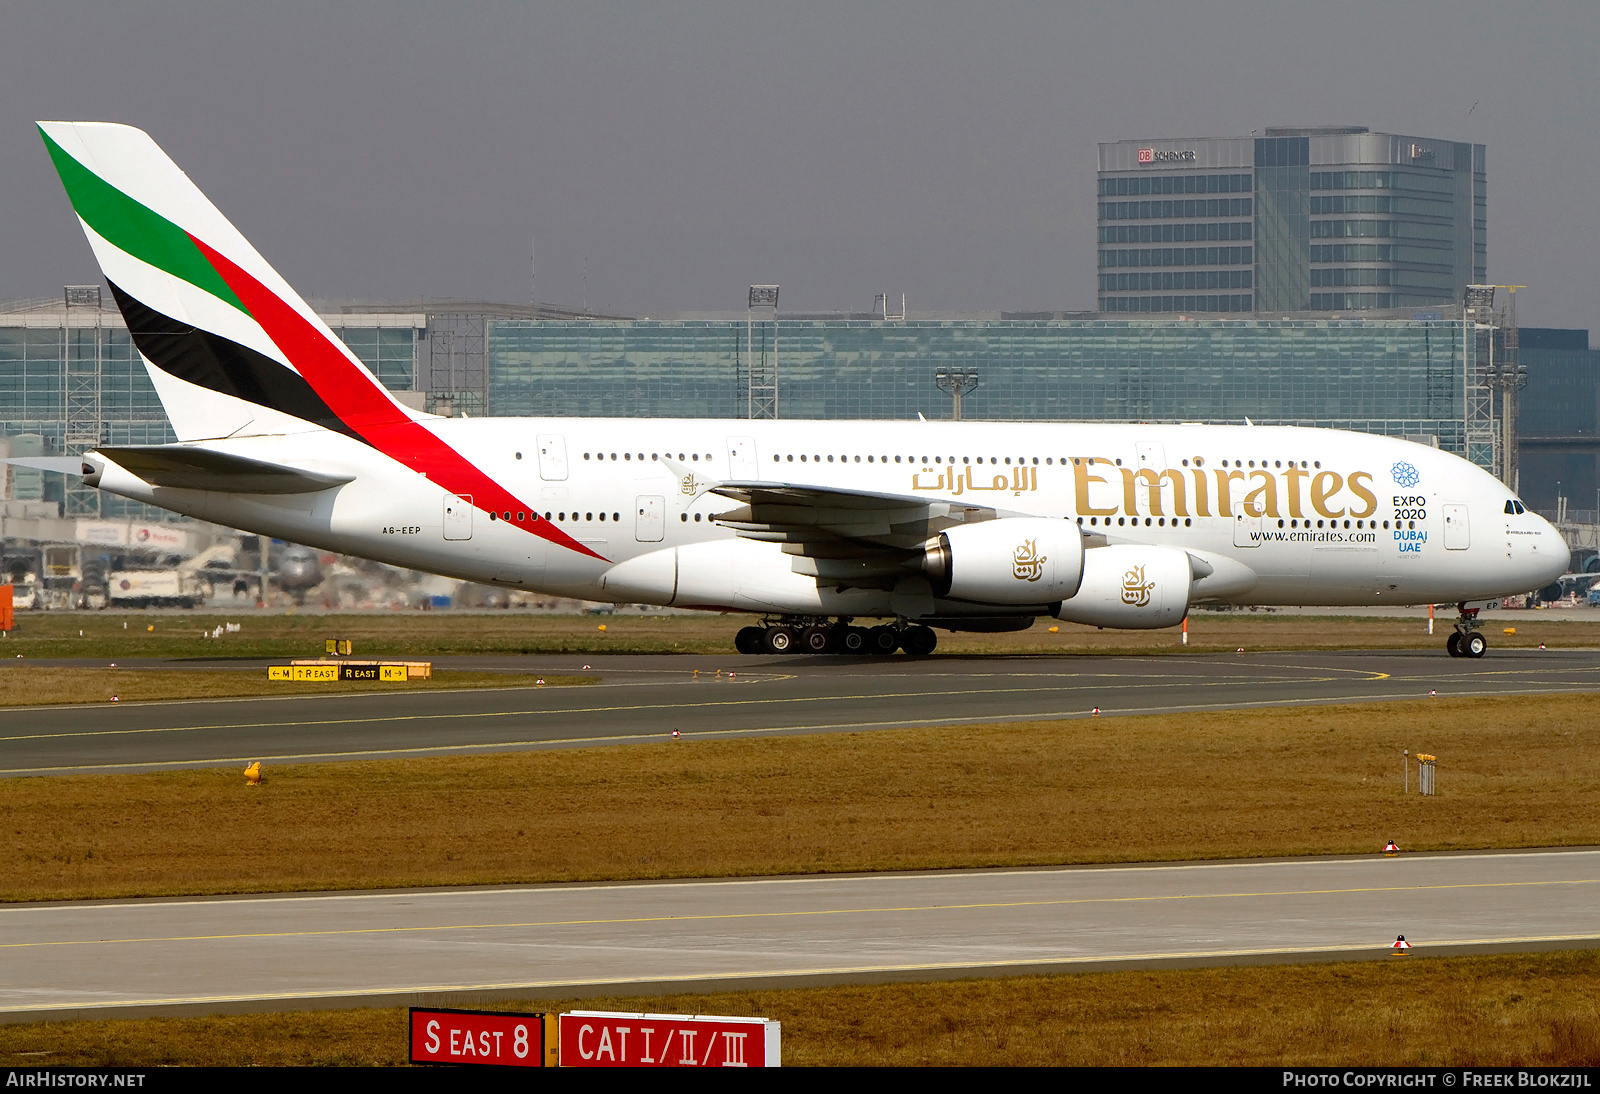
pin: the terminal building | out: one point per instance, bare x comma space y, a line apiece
69, 377
1334, 219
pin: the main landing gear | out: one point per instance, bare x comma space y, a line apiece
1466, 640
810, 635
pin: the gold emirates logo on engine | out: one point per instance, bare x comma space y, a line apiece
1027, 564
1135, 589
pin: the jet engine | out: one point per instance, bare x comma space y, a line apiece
1131, 587
1017, 560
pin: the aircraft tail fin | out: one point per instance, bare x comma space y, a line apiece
230, 347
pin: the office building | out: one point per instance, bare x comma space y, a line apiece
1297, 221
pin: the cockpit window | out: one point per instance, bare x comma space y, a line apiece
1511, 507
1520, 509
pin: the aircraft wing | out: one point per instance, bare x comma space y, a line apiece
842, 536
188, 468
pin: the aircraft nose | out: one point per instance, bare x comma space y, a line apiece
1549, 562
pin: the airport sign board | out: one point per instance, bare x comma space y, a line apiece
591, 1038
487, 1037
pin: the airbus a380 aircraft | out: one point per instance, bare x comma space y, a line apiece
963, 526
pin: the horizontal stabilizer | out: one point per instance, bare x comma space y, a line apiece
64, 465
182, 467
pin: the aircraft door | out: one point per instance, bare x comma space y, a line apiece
742, 463
457, 517
1457, 533
1246, 528
649, 521
552, 457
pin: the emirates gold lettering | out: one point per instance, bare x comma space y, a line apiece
1263, 500
1224, 500
1135, 589
1294, 475
1180, 507
1323, 486
1027, 564
1167, 493
1363, 493
1083, 475
1201, 508
1152, 485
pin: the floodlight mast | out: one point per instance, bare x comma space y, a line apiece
1477, 390
957, 382
763, 377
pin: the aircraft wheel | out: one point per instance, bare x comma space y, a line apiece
1474, 645
853, 640
919, 641
883, 641
817, 639
779, 640
1452, 644
750, 640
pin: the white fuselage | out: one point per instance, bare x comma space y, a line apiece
1319, 516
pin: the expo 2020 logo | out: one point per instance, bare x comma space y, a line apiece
1404, 474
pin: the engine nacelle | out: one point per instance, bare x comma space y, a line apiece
1017, 560
1131, 587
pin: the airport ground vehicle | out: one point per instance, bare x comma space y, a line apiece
810, 524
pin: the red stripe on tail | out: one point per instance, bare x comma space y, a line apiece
367, 409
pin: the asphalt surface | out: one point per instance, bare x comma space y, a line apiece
458, 946
646, 697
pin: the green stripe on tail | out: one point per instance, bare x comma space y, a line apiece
136, 229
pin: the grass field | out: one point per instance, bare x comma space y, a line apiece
1527, 1009
419, 634
1513, 772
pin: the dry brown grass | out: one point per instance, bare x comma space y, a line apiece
1520, 771
417, 634
1530, 1009
34, 686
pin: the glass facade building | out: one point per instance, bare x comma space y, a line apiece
1296, 221
1558, 423
1398, 377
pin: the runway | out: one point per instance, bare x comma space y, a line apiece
463, 946
646, 697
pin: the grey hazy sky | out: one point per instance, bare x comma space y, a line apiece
666, 155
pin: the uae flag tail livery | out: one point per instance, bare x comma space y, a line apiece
232, 350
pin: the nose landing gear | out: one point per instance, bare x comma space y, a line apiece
1466, 640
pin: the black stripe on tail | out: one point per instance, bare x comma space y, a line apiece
222, 365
